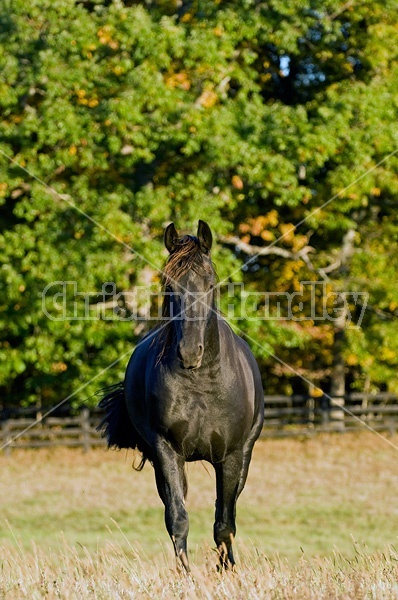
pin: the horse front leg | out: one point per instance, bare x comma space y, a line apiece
227, 480
171, 484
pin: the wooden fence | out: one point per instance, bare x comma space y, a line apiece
79, 431
305, 415
284, 416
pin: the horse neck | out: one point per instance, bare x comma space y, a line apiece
212, 337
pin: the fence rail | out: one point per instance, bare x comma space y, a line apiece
79, 431
284, 416
305, 415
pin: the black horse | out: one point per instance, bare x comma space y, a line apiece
192, 391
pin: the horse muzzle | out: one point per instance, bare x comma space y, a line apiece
190, 359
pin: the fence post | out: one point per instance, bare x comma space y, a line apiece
7, 438
325, 411
392, 427
311, 412
85, 425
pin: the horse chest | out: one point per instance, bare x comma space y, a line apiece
200, 420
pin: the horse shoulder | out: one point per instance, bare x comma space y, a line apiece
235, 345
243, 361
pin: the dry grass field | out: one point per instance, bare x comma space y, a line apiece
318, 519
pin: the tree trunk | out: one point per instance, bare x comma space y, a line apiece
337, 386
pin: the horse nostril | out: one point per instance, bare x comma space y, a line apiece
200, 350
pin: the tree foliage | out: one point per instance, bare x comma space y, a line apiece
273, 121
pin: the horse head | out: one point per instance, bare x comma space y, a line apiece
189, 279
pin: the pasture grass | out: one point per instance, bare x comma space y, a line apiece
118, 574
318, 519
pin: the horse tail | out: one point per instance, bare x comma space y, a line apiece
116, 426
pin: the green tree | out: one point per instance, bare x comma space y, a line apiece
118, 117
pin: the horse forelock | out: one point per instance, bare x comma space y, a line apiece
187, 256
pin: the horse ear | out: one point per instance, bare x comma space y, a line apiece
170, 237
205, 237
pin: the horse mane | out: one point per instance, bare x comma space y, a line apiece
187, 256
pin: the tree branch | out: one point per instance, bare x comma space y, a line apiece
339, 11
346, 252
252, 250
259, 251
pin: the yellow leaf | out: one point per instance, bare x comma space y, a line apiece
180, 80
59, 367
316, 392
352, 359
268, 236
287, 231
272, 218
118, 70
208, 98
299, 242
237, 182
